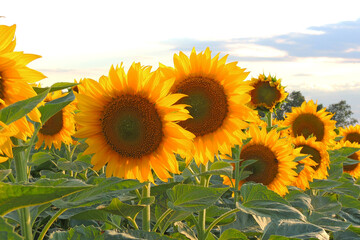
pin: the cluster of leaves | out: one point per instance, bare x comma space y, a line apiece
69, 200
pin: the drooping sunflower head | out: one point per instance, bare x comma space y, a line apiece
351, 134
352, 169
15, 77
60, 127
318, 153
275, 165
217, 98
130, 122
308, 165
307, 121
267, 93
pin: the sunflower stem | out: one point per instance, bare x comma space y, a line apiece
51, 221
268, 117
21, 169
236, 156
202, 214
146, 210
161, 218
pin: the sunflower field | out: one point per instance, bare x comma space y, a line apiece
189, 151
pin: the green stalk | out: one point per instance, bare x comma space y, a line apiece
21, 169
161, 218
268, 117
202, 214
216, 221
51, 221
146, 210
236, 156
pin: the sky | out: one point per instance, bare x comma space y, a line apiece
313, 46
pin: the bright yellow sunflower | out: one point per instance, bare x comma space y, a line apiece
352, 169
6, 145
351, 134
319, 154
15, 77
307, 121
60, 127
217, 100
130, 122
267, 92
308, 164
275, 165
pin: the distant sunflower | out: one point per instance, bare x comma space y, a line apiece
130, 122
351, 134
60, 127
267, 92
15, 77
306, 121
217, 100
275, 165
308, 164
319, 154
352, 169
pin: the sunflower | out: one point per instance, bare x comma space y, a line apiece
267, 92
307, 121
275, 165
351, 134
6, 145
15, 77
308, 164
352, 169
60, 127
217, 98
318, 153
130, 122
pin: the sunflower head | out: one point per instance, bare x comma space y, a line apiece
275, 165
308, 165
217, 98
307, 121
267, 93
130, 122
317, 152
352, 169
6, 145
15, 77
351, 134
60, 127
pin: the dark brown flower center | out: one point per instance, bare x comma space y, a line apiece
132, 126
354, 156
314, 155
353, 137
263, 93
307, 124
208, 101
265, 169
53, 125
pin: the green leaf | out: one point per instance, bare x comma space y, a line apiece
19, 109
328, 223
324, 184
40, 158
294, 229
232, 234
214, 211
90, 214
134, 234
162, 188
7, 231
51, 108
185, 230
193, 198
351, 215
346, 235
349, 201
299, 200
15, 196
219, 168
4, 174
75, 166
77, 233
122, 209
251, 191
56, 87
327, 205
105, 190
